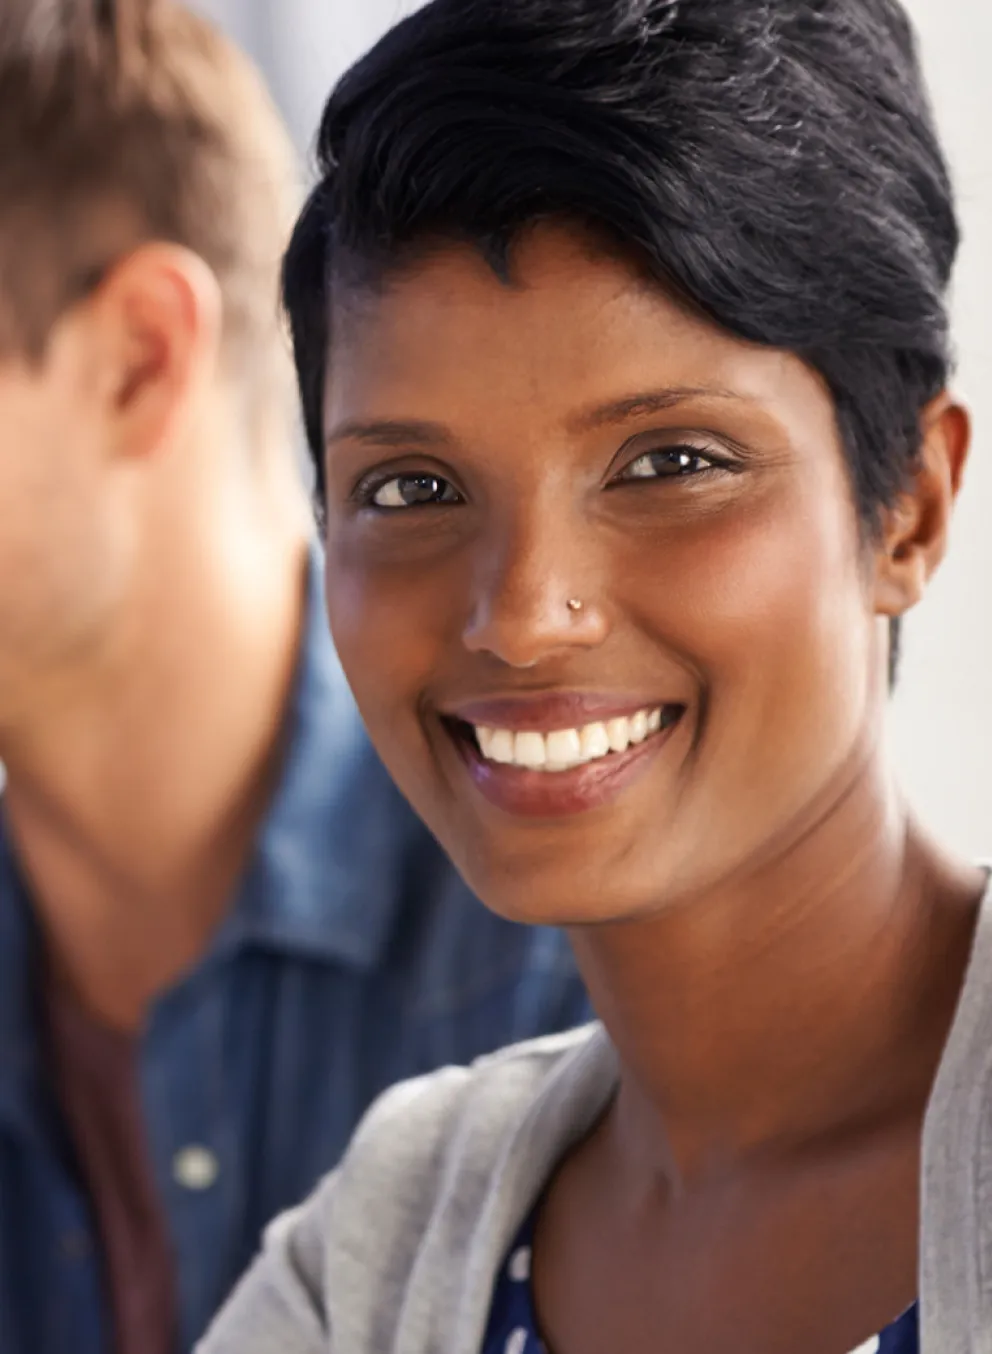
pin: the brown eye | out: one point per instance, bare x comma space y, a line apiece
670, 463
413, 491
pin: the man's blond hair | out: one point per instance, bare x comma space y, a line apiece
122, 123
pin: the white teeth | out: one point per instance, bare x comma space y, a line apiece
563, 749
618, 732
501, 747
528, 750
595, 742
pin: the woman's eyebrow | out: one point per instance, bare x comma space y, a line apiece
646, 402
389, 432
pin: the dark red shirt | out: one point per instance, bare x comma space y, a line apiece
96, 1079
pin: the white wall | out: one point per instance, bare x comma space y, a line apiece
942, 715
302, 45
942, 726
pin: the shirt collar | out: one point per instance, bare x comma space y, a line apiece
19, 948
327, 871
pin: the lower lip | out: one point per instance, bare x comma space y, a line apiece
560, 794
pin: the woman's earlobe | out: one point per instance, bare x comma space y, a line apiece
904, 558
902, 570
914, 530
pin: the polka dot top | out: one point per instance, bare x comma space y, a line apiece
512, 1325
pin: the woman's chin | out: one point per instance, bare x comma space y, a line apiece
563, 897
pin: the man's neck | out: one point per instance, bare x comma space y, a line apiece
133, 801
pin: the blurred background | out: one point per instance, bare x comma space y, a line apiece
942, 715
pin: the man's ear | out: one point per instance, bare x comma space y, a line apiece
157, 317
915, 529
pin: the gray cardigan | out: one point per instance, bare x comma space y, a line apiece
398, 1250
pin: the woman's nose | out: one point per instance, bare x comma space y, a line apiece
535, 598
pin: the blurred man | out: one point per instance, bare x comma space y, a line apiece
221, 932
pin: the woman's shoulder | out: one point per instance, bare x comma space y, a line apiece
458, 1114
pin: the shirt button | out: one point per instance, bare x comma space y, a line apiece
195, 1168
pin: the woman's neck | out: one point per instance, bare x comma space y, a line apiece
806, 996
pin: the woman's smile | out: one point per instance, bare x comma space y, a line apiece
558, 754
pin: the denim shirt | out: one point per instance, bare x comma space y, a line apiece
352, 956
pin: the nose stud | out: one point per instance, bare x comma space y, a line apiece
574, 604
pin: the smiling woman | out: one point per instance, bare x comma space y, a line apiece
622, 342
607, 443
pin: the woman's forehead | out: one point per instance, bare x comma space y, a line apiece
573, 329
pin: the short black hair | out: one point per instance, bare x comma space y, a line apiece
773, 162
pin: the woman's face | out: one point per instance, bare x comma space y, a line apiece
496, 452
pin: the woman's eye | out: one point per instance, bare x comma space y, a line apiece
413, 491
668, 464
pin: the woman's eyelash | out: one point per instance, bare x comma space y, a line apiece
409, 489
673, 462
397, 492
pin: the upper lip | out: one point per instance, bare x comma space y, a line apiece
545, 712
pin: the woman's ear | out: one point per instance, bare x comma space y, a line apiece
915, 529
